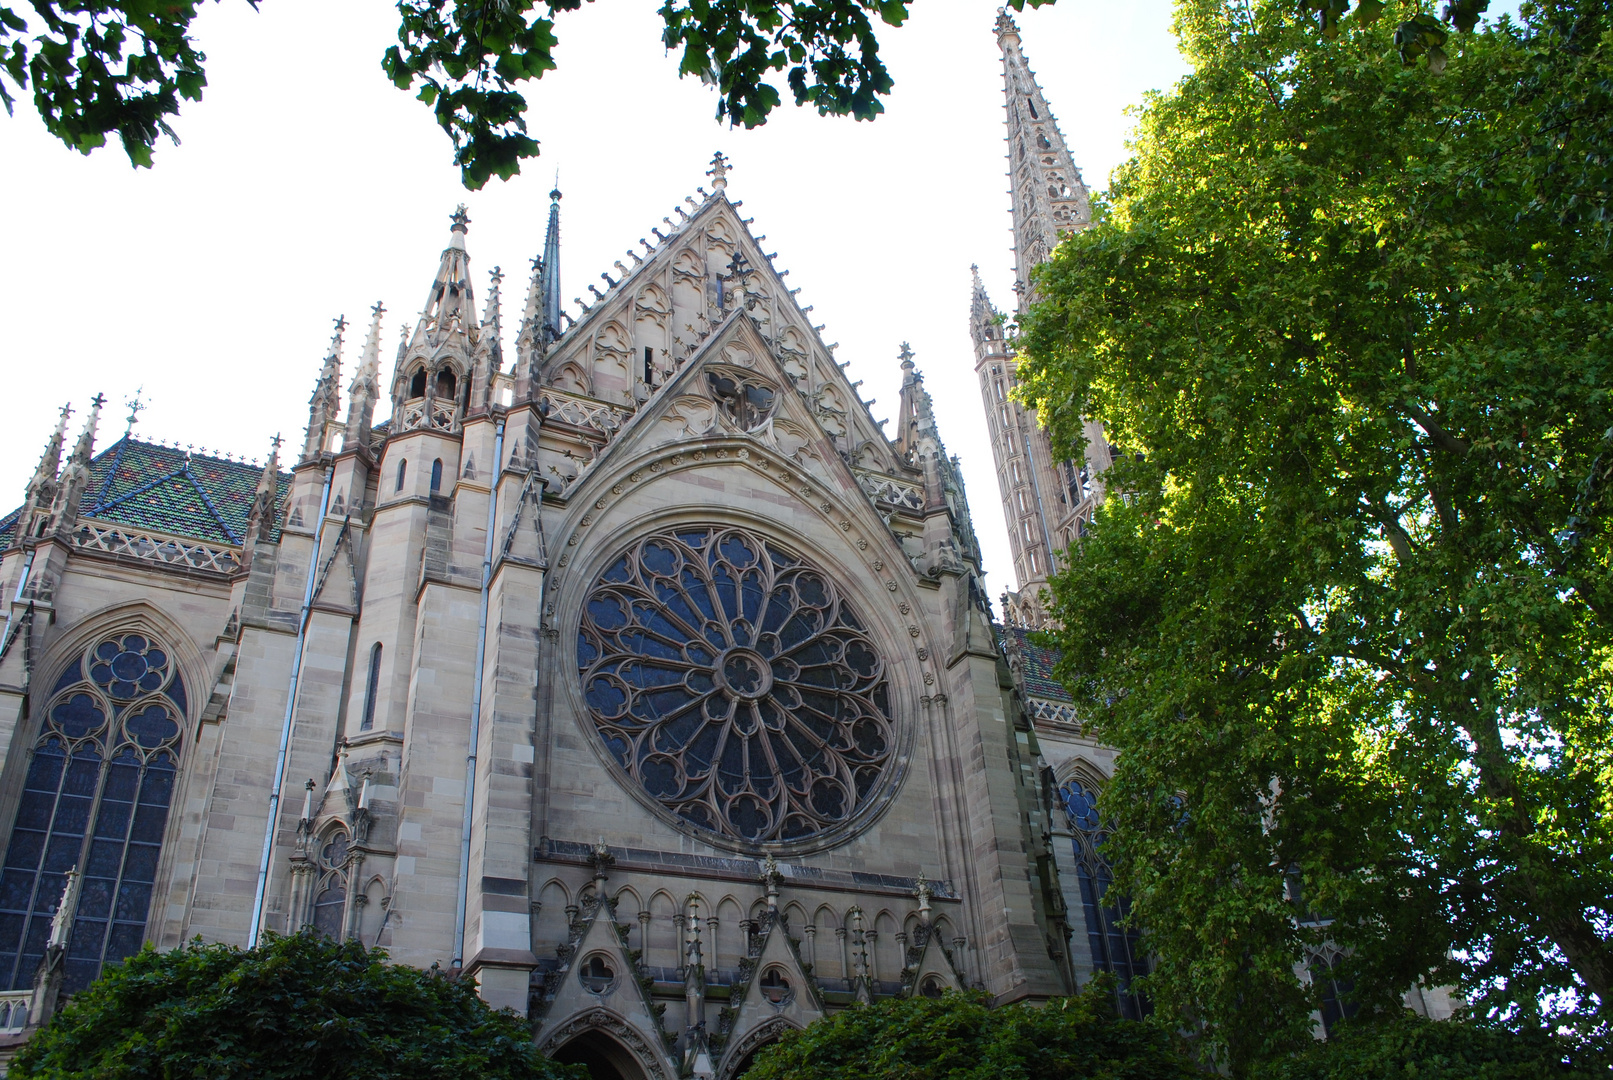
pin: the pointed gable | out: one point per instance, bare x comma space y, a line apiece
659, 315
599, 985
774, 995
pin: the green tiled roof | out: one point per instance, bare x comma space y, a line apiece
1036, 664
168, 490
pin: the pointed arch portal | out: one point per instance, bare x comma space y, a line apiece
602, 1056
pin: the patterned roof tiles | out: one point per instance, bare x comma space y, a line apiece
170, 491
1036, 664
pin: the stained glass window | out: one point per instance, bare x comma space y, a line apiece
1114, 946
330, 896
95, 798
734, 682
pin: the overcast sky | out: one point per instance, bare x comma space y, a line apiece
307, 187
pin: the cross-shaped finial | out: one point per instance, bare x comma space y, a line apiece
378, 310
906, 355
718, 171
67, 410
461, 219
136, 407
98, 400
277, 442
498, 276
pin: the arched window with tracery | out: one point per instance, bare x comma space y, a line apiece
95, 798
1114, 947
330, 892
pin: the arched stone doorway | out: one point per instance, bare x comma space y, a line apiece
759, 1038
602, 1056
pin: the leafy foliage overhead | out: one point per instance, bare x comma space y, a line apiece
120, 67
1352, 627
293, 1007
961, 1037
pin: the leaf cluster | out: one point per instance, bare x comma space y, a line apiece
1348, 322
293, 1007
962, 1037
102, 67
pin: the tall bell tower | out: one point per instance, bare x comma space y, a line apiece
1046, 501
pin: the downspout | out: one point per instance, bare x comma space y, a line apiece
22, 583
460, 901
291, 716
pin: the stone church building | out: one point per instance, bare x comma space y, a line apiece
635, 673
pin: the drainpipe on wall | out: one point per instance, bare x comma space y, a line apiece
458, 961
291, 717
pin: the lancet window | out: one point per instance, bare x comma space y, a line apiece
1114, 947
96, 797
329, 912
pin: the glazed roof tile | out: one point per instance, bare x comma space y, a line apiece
172, 491
1036, 664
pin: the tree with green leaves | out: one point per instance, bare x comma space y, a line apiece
293, 1007
103, 68
962, 1037
1410, 1046
1348, 611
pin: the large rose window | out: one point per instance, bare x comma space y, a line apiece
734, 683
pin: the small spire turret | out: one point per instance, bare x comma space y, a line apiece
529, 340
76, 477
450, 305
264, 510
489, 358
324, 405
365, 389
41, 490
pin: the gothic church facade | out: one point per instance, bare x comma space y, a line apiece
637, 674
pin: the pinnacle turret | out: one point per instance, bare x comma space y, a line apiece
41, 490
450, 305
75, 477
489, 358
261, 518
325, 404
365, 388
985, 321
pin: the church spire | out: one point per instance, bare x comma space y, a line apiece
365, 389
550, 272
450, 305
324, 405
1050, 199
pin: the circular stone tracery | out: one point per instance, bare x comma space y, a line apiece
736, 685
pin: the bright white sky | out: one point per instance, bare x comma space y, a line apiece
307, 187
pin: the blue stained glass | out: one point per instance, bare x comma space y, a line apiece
698, 654
134, 790
1114, 947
